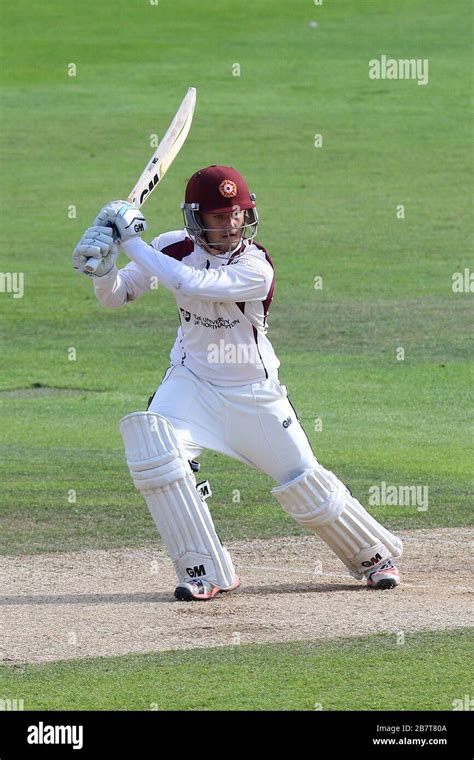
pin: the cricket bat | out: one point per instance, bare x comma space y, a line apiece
161, 159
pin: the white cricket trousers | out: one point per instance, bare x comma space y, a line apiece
254, 423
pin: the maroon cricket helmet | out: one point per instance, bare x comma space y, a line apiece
218, 189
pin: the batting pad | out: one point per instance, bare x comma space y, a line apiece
163, 475
319, 501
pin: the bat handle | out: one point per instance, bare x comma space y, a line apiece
91, 265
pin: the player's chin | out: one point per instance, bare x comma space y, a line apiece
224, 245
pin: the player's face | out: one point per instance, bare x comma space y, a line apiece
224, 230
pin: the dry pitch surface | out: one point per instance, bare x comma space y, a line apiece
90, 603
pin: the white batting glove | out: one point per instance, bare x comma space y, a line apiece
126, 220
96, 246
97, 268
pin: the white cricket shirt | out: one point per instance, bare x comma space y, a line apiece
222, 301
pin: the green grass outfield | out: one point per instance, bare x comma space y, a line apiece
425, 672
327, 212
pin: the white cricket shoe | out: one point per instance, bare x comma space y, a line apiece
386, 576
200, 590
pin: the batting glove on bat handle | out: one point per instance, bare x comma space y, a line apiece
125, 219
99, 267
96, 251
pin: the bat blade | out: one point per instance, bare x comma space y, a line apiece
166, 151
161, 159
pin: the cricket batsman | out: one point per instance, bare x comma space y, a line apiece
221, 390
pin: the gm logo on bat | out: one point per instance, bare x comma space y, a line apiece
154, 181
